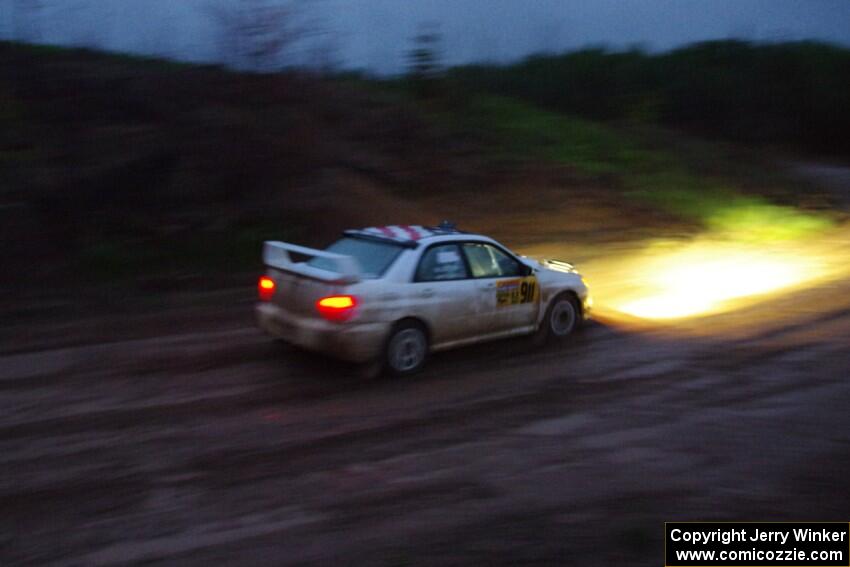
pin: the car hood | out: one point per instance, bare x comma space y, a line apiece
550, 264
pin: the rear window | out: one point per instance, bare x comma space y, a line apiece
374, 257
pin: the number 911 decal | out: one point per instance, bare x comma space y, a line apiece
516, 292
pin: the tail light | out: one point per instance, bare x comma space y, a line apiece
266, 287
337, 307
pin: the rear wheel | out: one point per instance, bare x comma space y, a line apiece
562, 318
407, 348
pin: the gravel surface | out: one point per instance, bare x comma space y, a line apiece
202, 442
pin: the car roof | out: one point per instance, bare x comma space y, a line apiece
411, 235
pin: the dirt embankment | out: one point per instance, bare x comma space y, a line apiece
123, 169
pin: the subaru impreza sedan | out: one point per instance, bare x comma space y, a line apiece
388, 296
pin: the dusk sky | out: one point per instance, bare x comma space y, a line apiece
375, 34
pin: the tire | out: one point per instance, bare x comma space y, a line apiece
563, 317
406, 349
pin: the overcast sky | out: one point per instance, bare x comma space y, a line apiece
375, 34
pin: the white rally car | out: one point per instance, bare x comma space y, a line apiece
390, 295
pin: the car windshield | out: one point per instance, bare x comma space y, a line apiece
373, 257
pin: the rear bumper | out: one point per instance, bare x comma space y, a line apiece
355, 342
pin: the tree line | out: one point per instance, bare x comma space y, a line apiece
793, 94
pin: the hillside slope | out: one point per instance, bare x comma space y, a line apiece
154, 176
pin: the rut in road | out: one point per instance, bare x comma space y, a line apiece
260, 452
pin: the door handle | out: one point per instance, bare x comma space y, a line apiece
490, 285
426, 293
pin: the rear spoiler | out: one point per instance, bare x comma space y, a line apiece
344, 268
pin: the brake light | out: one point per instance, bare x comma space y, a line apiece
265, 288
337, 307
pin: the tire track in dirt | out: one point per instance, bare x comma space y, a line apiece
386, 468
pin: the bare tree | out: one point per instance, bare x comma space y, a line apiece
424, 60
257, 34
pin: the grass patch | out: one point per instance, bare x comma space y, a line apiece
748, 218
655, 175
721, 208
523, 131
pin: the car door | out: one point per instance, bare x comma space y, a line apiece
512, 294
446, 296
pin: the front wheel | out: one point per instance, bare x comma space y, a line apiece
407, 348
562, 318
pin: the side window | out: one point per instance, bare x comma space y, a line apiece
440, 263
487, 261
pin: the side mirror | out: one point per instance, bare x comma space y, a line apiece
527, 270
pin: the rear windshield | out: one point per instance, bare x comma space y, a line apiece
372, 256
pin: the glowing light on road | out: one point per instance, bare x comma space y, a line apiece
709, 277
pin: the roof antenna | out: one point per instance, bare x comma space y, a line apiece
447, 225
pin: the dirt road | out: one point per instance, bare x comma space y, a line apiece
200, 442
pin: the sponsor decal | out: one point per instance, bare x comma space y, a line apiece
517, 291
